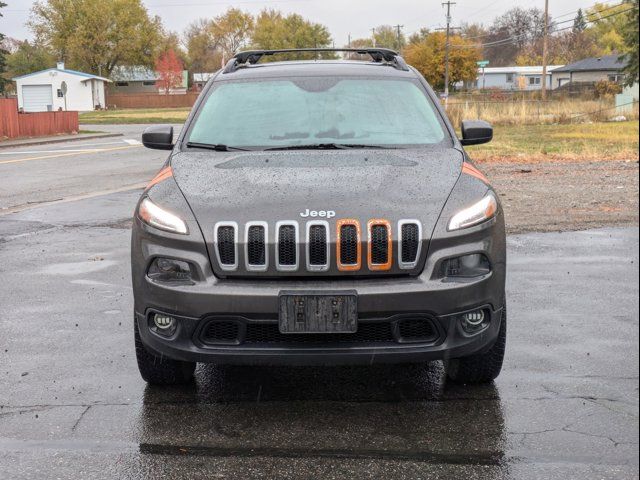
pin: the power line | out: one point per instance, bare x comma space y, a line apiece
506, 41
554, 23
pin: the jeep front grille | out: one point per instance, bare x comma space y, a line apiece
318, 246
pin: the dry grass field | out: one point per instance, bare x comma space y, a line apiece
573, 142
535, 112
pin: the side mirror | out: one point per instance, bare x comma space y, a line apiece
475, 132
158, 137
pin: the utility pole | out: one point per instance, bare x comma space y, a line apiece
448, 3
544, 49
349, 40
399, 42
373, 36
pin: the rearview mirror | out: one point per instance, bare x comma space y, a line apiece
159, 137
475, 132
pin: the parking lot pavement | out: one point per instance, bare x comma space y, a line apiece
73, 406
36, 174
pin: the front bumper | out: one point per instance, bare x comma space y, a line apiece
255, 301
185, 345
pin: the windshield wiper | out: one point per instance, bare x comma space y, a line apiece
330, 146
217, 147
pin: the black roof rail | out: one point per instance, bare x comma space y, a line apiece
378, 55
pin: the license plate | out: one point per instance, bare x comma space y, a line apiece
313, 312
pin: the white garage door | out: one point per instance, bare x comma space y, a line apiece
37, 98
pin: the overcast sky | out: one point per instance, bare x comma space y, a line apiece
343, 17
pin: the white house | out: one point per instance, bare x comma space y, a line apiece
513, 78
60, 89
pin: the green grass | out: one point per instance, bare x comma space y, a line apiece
135, 115
585, 141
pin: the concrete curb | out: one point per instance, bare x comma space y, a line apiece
19, 143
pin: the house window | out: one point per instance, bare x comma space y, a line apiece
509, 77
148, 83
122, 84
616, 77
534, 80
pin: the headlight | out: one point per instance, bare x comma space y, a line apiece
475, 214
153, 215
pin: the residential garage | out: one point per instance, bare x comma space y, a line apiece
59, 88
37, 98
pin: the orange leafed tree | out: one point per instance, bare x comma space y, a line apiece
169, 69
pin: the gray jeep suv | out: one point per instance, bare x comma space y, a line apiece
318, 212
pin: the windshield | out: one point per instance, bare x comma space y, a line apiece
317, 111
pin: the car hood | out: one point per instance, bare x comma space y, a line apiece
272, 186
282, 185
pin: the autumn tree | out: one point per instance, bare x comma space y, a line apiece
428, 56
362, 43
273, 30
203, 48
3, 56
29, 57
386, 36
630, 35
97, 36
606, 24
419, 36
510, 33
232, 30
169, 70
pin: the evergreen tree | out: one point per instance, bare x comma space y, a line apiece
580, 22
630, 35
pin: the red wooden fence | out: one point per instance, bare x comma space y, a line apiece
14, 124
151, 100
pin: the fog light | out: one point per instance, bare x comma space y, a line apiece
474, 321
169, 270
164, 325
474, 318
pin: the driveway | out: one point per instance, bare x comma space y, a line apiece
72, 404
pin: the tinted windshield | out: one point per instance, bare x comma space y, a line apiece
321, 110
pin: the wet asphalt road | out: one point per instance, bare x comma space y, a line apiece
73, 406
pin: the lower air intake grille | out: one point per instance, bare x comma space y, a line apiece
410, 242
256, 254
287, 245
268, 333
379, 244
220, 332
318, 245
226, 245
348, 245
417, 329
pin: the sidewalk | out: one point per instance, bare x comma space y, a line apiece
25, 142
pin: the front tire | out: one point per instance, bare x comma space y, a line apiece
161, 370
482, 367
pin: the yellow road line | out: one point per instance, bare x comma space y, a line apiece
43, 157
